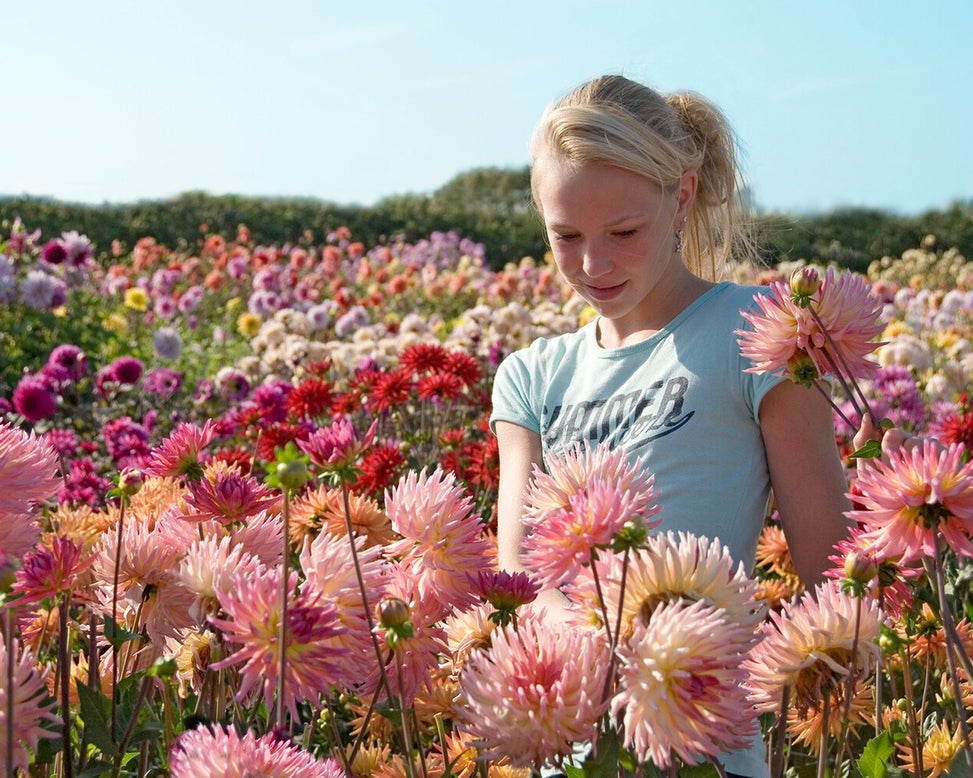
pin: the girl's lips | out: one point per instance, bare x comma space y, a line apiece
605, 292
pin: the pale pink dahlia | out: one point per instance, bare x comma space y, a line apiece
443, 538
921, 493
179, 454
28, 471
214, 752
807, 647
30, 705
330, 571
681, 690
783, 332
674, 566
207, 570
534, 692
312, 660
419, 657
579, 505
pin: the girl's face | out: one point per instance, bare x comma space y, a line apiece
612, 234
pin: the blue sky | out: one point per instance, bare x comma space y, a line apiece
835, 103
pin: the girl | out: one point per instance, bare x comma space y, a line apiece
637, 192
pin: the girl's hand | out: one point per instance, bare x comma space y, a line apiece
893, 440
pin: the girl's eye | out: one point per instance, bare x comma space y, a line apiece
625, 233
565, 237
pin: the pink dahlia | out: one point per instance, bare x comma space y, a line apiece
443, 538
419, 657
49, 571
807, 647
33, 398
920, 493
312, 660
674, 566
28, 470
338, 446
535, 692
579, 505
214, 752
329, 569
30, 705
207, 571
681, 690
179, 454
228, 497
783, 332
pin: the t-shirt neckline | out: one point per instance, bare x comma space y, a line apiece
661, 333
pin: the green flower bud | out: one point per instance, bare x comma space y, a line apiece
292, 475
804, 283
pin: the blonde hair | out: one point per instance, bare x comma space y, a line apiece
619, 122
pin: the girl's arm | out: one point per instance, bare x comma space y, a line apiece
806, 474
520, 449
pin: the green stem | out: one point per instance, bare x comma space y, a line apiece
780, 734
364, 592
8, 638
952, 649
825, 732
114, 620
64, 665
282, 625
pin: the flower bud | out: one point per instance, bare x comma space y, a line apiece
293, 474
393, 613
861, 567
130, 480
804, 283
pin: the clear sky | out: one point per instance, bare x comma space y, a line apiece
836, 103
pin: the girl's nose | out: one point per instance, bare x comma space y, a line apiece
597, 262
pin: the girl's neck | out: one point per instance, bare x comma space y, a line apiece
664, 306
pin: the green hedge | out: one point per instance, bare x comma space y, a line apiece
488, 205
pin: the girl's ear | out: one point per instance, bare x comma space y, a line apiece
685, 194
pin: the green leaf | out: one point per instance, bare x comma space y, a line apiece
871, 450
604, 763
95, 713
873, 763
95, 768
116, 635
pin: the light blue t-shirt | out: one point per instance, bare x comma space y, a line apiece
680, 401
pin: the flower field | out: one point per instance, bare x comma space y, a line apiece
247, 527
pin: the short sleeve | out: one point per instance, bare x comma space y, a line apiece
512, 393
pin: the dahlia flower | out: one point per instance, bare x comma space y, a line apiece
215, 752
207, 569
48, 571
534, 692
33, 398
579, 505
228, 497
328, 566
31, 706
179, 453
675, 566
681, 690
846, 308
807, 645
28, 471
443, 538
312, 660
339, 446
919, 494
